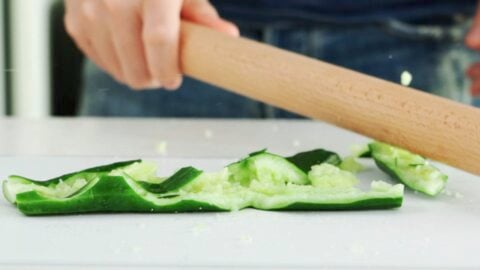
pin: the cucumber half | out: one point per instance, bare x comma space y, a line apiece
412, 170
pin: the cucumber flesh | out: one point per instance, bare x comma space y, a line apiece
60, 189
351, 164
266, 167
327, 176
412, 170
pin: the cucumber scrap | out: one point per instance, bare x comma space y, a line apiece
311, 180
305, 160
412, 170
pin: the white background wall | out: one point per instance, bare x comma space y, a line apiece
31, 88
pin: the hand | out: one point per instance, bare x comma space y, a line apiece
137, 41
472, 40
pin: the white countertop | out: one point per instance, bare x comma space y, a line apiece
185, 138
425, 233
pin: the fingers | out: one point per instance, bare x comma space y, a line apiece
161, 26
472, 39
75, 28
202, 12
125, 22
137, 41
88, 25
101, 36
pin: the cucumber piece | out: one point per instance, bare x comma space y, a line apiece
144, 171
99, 169
306, 160
59, 187
361, 151
262, 180
181, 178
107, 194
411, 169
380, 196
351, 164
264, 166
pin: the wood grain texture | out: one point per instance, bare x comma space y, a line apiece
432, 126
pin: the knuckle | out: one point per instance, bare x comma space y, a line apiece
90, 10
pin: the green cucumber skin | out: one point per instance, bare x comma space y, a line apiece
109, 194
305, 160
99, 169
367, 154
391, 172
264, 150
179, 179
367, 204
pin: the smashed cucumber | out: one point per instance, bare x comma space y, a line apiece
262, 180
410, 169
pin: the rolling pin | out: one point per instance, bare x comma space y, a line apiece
429, 125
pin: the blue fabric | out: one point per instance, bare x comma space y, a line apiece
340, 11
433, 54
476, 102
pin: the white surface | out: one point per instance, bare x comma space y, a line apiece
184, 138
424, 233
30, 57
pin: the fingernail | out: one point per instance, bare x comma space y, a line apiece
173, 85
154, 84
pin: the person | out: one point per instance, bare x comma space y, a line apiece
134, 45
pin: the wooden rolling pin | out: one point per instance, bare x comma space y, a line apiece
432, 126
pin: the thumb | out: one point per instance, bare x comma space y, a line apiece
472, 39
202, 12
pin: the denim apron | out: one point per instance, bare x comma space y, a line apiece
428, 47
